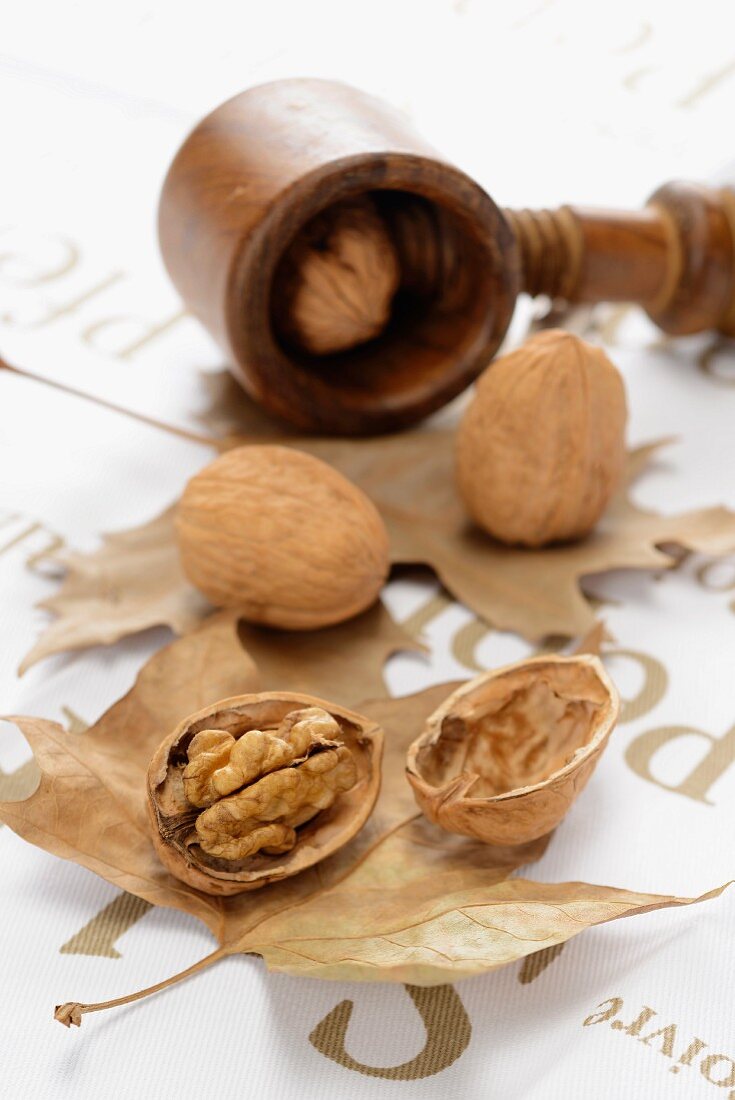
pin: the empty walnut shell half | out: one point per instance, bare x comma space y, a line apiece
504, 757
256, 788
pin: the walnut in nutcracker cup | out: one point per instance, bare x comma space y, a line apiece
336, 283
541, 448
256, 788
282, 537
506, 754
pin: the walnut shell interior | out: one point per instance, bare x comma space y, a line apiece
173, 817
505, 756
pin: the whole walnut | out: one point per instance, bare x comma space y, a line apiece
336, 283
282, 537
541, 448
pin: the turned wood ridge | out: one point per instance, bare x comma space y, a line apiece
675, 258
266, 163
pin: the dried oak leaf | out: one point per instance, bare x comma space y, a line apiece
105, 596
533, 592
404, 901
135, 580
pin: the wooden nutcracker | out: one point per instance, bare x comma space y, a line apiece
357, 281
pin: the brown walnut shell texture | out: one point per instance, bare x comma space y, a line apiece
504, 757
336, 282
172, 816
541, 449
282, 537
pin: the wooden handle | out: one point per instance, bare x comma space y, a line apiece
265, 166
676, 257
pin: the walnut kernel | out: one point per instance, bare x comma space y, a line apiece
259, 787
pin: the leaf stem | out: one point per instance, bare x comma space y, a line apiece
95, 399
72, 1012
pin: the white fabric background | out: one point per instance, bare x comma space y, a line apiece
543, 101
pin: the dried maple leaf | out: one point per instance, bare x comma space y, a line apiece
403, 901
342, 663
135, 580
